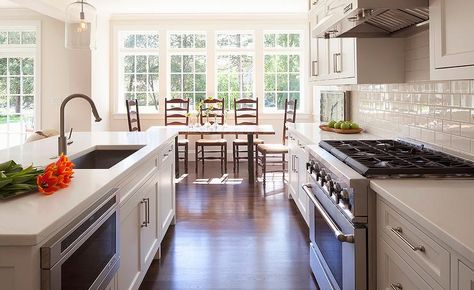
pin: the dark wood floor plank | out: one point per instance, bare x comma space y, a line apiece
233, 237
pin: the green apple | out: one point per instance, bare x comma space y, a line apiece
338, 125
345, 125
354, 126
331, 124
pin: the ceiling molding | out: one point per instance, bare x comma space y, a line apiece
45, 7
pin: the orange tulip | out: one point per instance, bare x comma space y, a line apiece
56, 175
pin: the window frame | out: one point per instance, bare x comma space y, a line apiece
122, 52
235, 51
26, 51
190, 52
285, 51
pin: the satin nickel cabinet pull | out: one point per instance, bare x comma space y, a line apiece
315, 68
144, 223
396, 286
337, 63
315, 2
398, 231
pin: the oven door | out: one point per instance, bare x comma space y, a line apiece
338, 249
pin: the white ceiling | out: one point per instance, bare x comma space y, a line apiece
179, 6
202, 6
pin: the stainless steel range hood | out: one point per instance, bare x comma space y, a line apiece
372, 18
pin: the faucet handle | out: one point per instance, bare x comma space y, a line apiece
69, 141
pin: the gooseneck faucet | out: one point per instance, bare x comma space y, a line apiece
62, 141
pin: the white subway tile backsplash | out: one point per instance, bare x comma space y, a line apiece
462, 87
461, 143
440, 112
461, 115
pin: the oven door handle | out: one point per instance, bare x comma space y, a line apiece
337, 232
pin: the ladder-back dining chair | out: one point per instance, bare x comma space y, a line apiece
245, 113
177, 114
213, 111
276, 150
133, 115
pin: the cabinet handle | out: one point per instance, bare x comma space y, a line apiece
144, 223
398, 231
297, 160
337, 66
147, 212
396, 286
314, 68
315, 2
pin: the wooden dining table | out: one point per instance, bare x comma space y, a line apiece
249, 130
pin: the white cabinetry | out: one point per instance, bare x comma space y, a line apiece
408, 257
145, 216
166, 190
297, 175
138, 235
353, 61
451, 41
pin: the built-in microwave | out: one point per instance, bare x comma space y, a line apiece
85, 254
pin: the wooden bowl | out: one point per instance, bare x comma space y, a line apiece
340, 131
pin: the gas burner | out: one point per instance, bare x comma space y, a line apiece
397, 158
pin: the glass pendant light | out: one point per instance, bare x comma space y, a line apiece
81, 22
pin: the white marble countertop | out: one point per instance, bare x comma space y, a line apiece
444, 207
311, 134
30, 219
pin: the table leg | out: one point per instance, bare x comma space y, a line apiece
176, 157
250, 158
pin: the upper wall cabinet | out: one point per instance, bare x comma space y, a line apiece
451, 41
353, 61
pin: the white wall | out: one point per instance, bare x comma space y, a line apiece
63, 72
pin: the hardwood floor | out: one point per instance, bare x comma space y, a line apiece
232, 236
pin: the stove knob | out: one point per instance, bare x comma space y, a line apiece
345, 197
323, 175
309, 166
316, 166
337, 192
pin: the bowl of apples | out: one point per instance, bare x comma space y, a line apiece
342, 127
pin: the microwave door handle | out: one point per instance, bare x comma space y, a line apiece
337, 232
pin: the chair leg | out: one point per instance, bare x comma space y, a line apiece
225, 158
202, 157
233, 156
197, 158
264, 167
186, 156
222, 159
283, 165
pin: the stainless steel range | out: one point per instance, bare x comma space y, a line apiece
342, 210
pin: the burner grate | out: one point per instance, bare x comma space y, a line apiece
392, 157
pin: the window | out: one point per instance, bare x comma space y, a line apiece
188, 66
17, 85
140, 66
235, 67
282, 69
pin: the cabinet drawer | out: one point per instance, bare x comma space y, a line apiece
427, 253
136, 179
166, 152
465, 277
394, 273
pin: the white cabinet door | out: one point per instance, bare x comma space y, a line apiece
465, 277
166, 192
303, 200
149, 241
394, 273
131, 219
292, 171
451, 22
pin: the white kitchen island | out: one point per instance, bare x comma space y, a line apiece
27, 222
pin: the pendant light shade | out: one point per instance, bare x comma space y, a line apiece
81, 24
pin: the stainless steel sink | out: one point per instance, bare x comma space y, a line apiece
103, 158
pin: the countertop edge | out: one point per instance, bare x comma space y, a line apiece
456, 245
